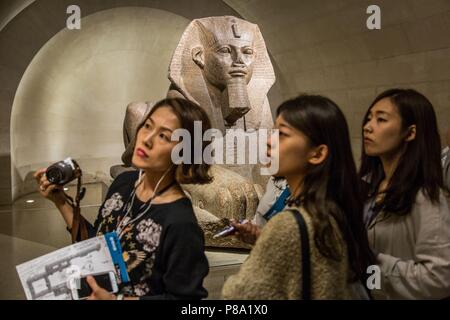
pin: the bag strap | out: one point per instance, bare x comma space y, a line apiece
306, 265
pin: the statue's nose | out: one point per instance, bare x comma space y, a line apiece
238, 61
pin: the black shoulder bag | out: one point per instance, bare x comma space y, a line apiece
306, 265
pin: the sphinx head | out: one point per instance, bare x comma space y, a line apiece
226, 52
226, 55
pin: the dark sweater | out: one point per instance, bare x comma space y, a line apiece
163, 250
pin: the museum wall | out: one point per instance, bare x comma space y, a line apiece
64, 92
72, 98
325, 47
316, 46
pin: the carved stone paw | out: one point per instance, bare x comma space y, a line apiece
229, 196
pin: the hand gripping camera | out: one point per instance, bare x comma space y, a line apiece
63, 172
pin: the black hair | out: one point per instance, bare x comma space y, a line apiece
331, 188
187, 113
419, 167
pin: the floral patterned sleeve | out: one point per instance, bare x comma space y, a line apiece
162, 244
112, 202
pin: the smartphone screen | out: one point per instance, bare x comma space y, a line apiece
103, 280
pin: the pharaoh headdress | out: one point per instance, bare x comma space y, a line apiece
186, 76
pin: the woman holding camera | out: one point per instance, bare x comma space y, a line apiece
162, 243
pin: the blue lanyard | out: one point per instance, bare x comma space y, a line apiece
279, 205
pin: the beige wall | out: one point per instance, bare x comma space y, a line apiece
320, 46
11, 8
72, 98
27, 26
324, 47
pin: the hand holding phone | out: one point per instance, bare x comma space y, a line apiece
245, 231
106, 281
228, 230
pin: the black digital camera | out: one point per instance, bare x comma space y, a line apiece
63, 172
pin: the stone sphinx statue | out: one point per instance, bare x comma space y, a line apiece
221, 64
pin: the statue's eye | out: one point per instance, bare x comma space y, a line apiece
225, 50
248, 51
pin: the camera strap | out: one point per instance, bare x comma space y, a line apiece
79, 225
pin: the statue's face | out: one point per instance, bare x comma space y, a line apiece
228, 59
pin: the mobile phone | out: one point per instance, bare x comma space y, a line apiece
105, 280
225, 232
228, 230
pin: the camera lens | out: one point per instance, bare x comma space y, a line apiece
54, 175
63, 172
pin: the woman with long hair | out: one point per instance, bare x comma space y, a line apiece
406, 212
316, 159
445, 157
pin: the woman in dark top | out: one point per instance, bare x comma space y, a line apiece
162, 243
